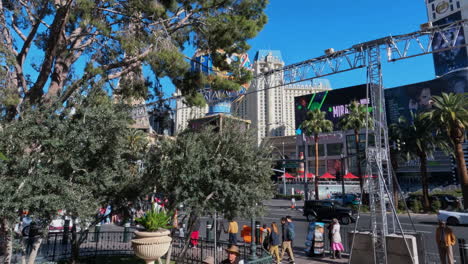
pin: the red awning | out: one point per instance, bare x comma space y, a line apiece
309, 175
327, 176
349, 175
288, 176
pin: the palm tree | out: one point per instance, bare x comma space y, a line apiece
315, 124
450, 113
356, 119
419, 141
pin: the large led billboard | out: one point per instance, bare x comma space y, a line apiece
334, 103
453, 59
401, 101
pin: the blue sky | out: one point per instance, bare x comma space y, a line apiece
303, 29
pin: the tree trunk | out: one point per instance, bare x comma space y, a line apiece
316, 167
8, 241
75, 244
35, 250
394, 162
462, 172
358, 159
191, 226
425, 187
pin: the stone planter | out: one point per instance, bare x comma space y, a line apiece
151, 246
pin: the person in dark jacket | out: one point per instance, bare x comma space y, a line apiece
275, 242
288, 237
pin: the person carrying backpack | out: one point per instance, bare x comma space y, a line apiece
288, 238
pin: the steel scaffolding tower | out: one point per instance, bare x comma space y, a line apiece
378, 154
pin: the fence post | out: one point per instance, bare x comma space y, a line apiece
126, 235
208, 230
463, 247
66, 230
97, 229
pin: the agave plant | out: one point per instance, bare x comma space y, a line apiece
155, 220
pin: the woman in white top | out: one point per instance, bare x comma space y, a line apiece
337, 247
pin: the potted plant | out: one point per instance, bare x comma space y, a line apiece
152, 243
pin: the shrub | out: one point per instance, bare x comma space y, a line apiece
416, 206
436, 205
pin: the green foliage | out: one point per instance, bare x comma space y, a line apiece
68, 160
316, 123
356, 118
207, 170
436, 205
155, 220
119, 37
450, 113
416, 206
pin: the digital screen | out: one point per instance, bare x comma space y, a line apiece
401, 101
334, 103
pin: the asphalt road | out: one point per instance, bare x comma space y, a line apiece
425, 224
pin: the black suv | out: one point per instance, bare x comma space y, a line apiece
319, 210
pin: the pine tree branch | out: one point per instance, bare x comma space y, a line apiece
18, 31
55, 40
105, 68
31, 16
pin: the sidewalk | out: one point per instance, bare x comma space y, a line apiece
301, 258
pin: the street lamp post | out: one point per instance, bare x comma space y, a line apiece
342, 157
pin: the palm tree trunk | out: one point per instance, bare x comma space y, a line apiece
358, 159
394, 162
316, 167
462, 172
425, 186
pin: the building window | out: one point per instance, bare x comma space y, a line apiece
321, 150
335, 149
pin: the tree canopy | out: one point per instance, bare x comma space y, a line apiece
51, 50
73, 160
208, 170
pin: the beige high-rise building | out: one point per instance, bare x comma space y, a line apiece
271, 110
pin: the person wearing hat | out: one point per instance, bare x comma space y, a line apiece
445, 239
233, 256
208, 260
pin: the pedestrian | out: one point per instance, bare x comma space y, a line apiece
233, 256
293, 202
337, 247
233, 229
288, 238
445, 239
208, 260
195, 234
265, 236
274, 242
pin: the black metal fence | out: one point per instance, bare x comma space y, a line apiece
57, 246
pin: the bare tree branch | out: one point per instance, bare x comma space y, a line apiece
31, 16
18, 31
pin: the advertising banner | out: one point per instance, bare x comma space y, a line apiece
453, 59
401, 101
334, 103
